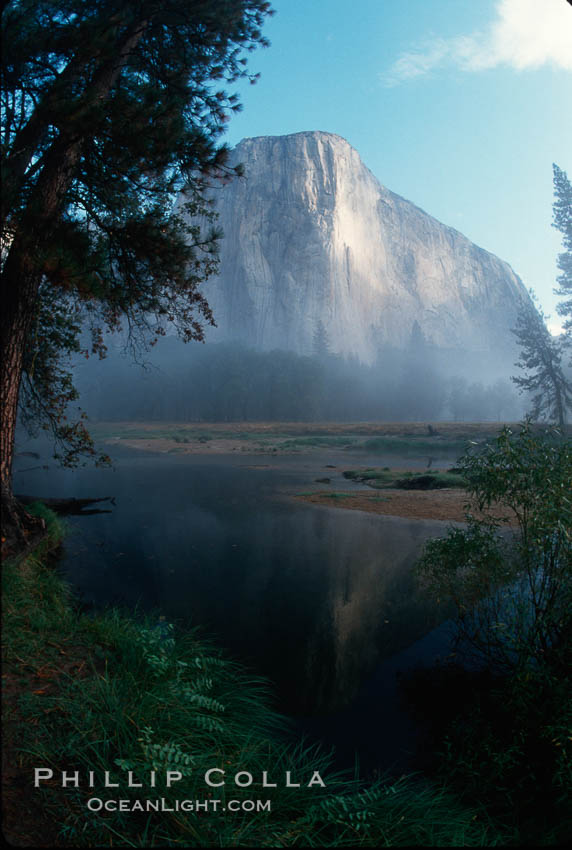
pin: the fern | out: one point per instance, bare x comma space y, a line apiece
202, 683
167, 756
202, 701
157, 646
208, 723
204, 662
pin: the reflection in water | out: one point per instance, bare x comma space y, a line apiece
312, 597
370, 608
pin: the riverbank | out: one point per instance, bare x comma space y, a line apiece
346, 444
117, 694
293, 437
444, 505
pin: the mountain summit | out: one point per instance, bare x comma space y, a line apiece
313, 241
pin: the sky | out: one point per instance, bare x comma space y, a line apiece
460, 106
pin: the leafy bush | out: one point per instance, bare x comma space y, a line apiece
513, 593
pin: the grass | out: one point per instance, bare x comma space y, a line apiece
118, 693
393, 437
445, 430
348, 496
327, 441
413, 445
383, 479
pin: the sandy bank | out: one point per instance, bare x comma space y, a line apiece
444, 504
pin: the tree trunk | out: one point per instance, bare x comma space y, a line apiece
20, 284
23, 272
21, 277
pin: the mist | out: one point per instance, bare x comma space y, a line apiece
231, 382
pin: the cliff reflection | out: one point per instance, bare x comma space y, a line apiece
372, 609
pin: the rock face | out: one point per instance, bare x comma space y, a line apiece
313, 240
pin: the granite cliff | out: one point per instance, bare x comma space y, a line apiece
312, 238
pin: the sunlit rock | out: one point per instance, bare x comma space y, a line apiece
312, 238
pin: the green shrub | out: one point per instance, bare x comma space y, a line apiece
513, 594
509, 745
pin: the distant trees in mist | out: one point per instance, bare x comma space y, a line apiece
229, 382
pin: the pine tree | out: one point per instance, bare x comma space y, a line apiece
562, 221
109, 109
541, 361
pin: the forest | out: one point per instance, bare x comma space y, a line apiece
229, 382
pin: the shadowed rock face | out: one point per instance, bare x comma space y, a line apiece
312, 237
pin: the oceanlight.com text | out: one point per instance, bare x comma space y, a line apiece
96, 804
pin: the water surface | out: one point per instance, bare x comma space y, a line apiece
319, 599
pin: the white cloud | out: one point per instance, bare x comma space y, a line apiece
525, 34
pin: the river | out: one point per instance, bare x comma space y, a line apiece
320, 600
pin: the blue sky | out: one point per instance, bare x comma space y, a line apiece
461, 106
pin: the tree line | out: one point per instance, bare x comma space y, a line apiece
232, 383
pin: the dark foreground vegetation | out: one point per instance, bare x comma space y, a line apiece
502, 723
118, 694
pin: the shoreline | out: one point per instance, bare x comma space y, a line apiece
443, 505
279, 438
439, 504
